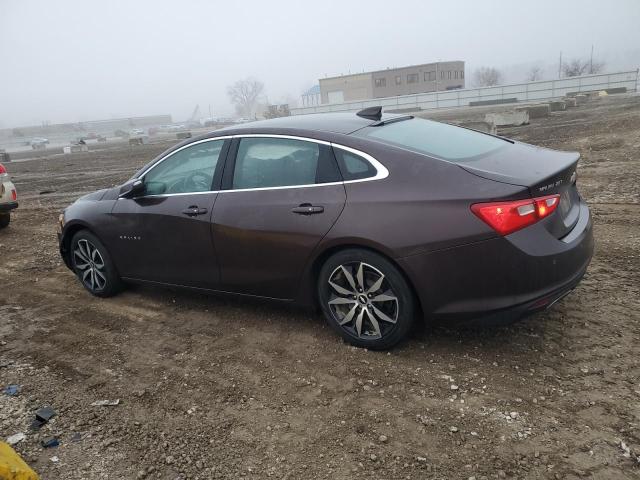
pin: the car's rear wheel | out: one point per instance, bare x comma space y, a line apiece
93, 265
366, 299
5, 218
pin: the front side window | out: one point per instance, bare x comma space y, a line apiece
441, 140
277, 162
186, 171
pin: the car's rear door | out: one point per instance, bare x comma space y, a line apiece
280, 196
165, 234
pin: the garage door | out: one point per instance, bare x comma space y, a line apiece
336, 96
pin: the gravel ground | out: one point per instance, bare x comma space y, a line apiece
213, 387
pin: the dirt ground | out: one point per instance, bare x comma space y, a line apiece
215, 387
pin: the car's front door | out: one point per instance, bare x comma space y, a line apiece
280, 196
165, 234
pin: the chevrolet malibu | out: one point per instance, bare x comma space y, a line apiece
379, 219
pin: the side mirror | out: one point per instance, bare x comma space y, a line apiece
132, 189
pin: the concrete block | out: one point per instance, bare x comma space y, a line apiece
616, 90
557, 106
487, 127
508, 119
479, 103
570, 102
581, 99
75, 149
536, 111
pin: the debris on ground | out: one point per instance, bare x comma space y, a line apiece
106, 403
16, 438
11, 390
50, 442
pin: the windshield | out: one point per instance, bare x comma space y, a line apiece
440, 140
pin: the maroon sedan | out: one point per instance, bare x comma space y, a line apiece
378, 219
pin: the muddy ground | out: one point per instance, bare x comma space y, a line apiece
220, 388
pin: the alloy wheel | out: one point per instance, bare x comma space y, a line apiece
362, 300
90, 265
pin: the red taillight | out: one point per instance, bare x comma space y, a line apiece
14, 195
2, 169
507, 217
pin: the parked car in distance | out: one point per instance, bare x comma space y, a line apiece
38, 143
378, 219
8, 197
135, 132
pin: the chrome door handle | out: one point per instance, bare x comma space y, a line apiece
307, 209
194, 211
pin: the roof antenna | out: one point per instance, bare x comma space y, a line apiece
371, 113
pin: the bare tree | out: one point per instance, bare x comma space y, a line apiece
487, 77
596, 67
534, 74
577, 67
245, 94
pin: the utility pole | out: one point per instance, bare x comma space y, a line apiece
560, 66
591, 61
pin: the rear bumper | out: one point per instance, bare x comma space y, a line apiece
7, 207
500, 280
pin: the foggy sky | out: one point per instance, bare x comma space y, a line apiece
66, 61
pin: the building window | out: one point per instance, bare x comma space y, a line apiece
462, 74
398, 80
429, 76
412, 78
455, 74
381, 82
449, 75
441, 73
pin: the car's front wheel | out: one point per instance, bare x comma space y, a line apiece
366, 299
5, 218
93, 265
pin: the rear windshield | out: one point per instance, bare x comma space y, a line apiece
436, 139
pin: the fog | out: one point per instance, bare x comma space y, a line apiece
68, 61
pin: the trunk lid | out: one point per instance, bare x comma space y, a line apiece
542, 171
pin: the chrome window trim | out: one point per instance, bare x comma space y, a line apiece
381, 170
169, 155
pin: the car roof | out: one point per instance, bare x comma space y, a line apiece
344, 123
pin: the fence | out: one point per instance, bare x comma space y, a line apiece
522, 92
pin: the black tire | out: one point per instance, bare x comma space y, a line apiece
104, 280
5, 218
345, 302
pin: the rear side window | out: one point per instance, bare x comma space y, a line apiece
440, 140
352, 166
280, 162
